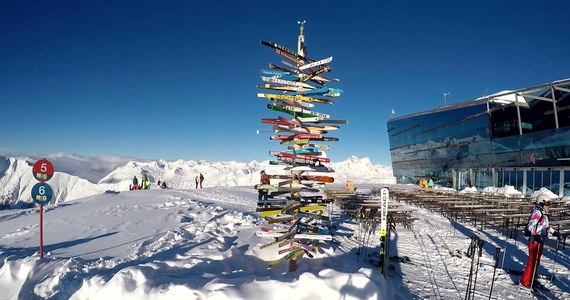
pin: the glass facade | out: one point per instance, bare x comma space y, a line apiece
494, 141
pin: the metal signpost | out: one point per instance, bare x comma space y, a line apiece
42, 192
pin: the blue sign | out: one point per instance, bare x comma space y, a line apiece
42, 193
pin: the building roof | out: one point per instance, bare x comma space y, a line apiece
503, 97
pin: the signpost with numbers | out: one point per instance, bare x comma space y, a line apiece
42, 192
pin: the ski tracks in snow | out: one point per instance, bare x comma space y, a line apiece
428, 272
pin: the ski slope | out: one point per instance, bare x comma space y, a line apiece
201, 244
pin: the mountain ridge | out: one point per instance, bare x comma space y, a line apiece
116, 174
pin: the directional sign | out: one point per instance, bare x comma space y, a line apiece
43, 170
42, 193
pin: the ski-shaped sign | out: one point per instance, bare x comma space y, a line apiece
384, 197
294, 98
316, 63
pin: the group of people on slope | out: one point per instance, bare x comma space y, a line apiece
199, 179
539, 227
144, 185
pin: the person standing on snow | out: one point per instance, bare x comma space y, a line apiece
539, 227
201, 179
135, 183
197, 180
144, 184
265, 179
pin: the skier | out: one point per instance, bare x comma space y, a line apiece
197, 180
144, 184
135, 183
539, 227
163, 185
201, 179
265, 179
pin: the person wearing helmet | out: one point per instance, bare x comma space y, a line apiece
539, 227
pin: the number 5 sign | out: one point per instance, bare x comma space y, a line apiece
43, 170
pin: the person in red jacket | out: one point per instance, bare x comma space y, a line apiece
539, 227
265, 179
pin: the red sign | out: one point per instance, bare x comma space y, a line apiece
43, 170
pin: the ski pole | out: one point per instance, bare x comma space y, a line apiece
480, 244
470, 252
555, 256
505, 252
497, 252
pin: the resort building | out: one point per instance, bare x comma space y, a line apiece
518, 138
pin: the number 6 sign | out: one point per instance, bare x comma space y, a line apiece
42, 193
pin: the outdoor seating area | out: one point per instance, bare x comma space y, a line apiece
361, 206
506, 214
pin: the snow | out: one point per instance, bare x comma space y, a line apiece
201, 244
102, 241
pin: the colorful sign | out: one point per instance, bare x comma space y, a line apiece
43, 170
42, 193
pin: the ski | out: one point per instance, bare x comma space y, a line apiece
290, 155
295, 129
293, 69
294, 98
279, 218
286, 50
296, 111
286, 82
295, 142
296, 136
271, 201
316, 63
266, 234
264, 186
320, 237
291, 255
383, 251
263, 246
328, 92
290, 248
327, 179
281, 88
277, 73
311, 76
305, 246
317, 79
305, 151
284, 122
340, 122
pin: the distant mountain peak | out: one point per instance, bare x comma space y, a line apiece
78, 176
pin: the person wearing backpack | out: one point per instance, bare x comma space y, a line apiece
539, 227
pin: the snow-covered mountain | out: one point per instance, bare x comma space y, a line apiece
78, 176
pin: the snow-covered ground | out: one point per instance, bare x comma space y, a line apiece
201, 244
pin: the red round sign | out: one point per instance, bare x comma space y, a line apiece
43, 170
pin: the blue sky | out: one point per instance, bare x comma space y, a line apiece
177, 79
